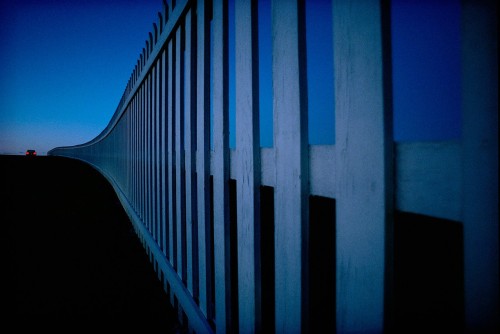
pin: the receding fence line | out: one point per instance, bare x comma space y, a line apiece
200, 212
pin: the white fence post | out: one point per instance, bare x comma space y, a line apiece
179, 151
221, 166
248, 164
163, 154
292, 179
159, 161
361, 184
170, 153
190, 154
203, 150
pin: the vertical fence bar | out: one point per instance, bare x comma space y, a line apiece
248, 165
159, 163
143, 151
130, 138
110, 148
121, 159
179, 152
174, 199
164, 153
137, 154
132, 153
190, 138
148, 154
153, 150
157, 151
115, 149
120, 152
134, 108
170, 153
221, 165
143, 144
144, 155
126, 152
480, 169
127, 138
137, 151
291, 149
146, 151
203, 142
362, 204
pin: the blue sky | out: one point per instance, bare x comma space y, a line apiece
65, 65
426, 69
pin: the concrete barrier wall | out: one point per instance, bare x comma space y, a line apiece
211, 245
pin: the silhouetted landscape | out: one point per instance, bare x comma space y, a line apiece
71, 254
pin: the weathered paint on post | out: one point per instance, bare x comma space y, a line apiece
159, 148
179, 153
143, 154
190, 141
136, 153
220, 96
361, 201
154, 164
164, 159
248, 165
151, 152
170, 154
147, 145
155, 152
202, 153
291, 154
147, 101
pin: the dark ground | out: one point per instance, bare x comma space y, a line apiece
70, 256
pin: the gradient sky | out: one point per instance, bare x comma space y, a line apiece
65, 65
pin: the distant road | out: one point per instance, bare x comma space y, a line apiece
71, 255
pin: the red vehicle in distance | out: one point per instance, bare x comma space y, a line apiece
30, 153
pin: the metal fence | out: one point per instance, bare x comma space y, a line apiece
238, 236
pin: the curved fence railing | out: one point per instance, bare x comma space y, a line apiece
298, 236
